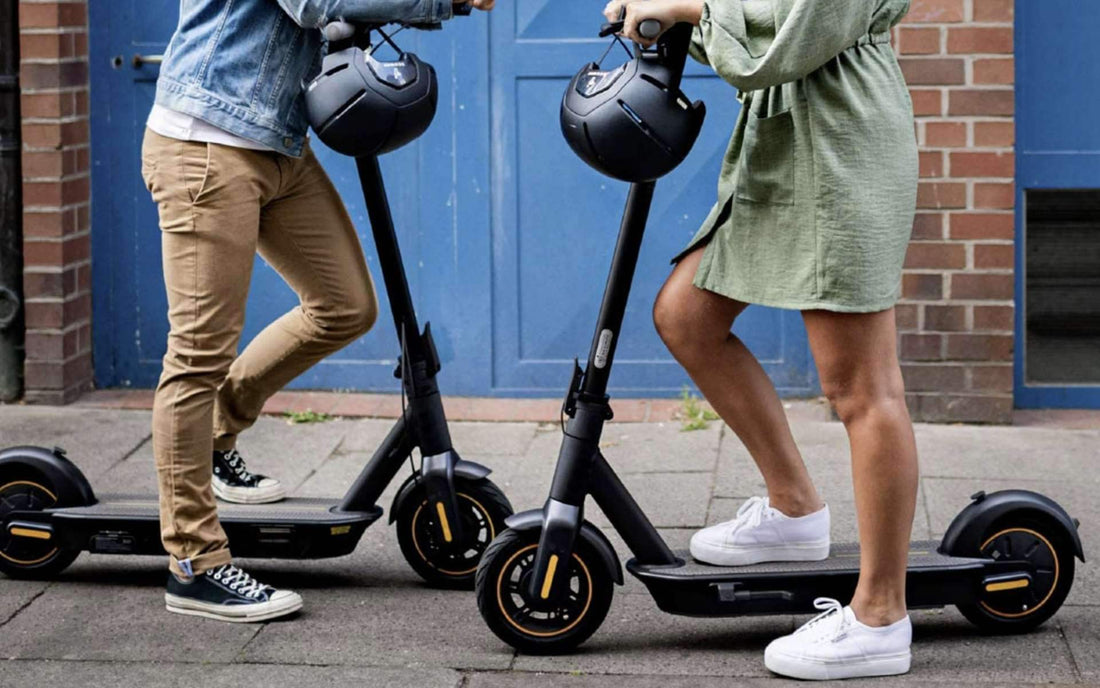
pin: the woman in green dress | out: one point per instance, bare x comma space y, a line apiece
815, 206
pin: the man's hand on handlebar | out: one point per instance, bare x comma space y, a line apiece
666, 12
483, 5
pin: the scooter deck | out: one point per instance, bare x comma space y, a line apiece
694, 589
294, 528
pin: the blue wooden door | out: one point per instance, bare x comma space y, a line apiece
1057, 168
506, 235
555, 220
435, 188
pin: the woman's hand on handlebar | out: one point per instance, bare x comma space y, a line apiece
667, 12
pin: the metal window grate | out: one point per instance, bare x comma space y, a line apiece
1062, 286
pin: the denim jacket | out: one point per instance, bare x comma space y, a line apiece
240, 64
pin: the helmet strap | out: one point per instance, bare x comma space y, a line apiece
387, 38
617, 39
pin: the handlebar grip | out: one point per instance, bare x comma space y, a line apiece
338, 31
650, 28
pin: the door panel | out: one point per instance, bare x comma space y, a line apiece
555, 220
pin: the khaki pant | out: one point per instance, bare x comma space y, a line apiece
218, 207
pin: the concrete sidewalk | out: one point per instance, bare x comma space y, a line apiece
369, 621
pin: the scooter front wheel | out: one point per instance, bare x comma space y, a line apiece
483, 508
531, 626
27, 554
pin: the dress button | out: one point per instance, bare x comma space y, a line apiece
288, 142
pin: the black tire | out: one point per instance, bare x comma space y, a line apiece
484, 508
502, 596
1045, 543
22, 489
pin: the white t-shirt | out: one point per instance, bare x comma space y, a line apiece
177, 125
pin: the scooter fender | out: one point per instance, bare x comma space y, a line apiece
963, 536
463, 469
65, 478
532, 520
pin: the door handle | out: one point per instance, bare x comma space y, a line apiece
140, 60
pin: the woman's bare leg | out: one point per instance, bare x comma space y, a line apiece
857, 361
695, 326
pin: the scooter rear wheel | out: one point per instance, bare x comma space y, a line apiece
1019, 609
23, 556
503, 582
483, 507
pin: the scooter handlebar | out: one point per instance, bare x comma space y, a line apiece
649, 28
341, 30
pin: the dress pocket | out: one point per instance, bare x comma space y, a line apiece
766, 165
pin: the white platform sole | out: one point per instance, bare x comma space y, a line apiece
817, 670
248, 495
245, 613
743, 556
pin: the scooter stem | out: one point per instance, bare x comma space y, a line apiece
617, 291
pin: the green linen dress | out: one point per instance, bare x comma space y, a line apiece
819, 183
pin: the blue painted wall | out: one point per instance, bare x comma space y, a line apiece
1057, 143
506, 235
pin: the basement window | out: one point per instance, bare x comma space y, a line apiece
1062, 287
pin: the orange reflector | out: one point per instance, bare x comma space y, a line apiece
1007, 585
28, 533
551, 568
443, 521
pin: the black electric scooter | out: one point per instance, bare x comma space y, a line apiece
545, 584
447, 512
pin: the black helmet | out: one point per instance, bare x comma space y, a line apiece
361, 106
628, 122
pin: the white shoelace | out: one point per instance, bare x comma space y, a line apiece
751, 514
831, 610
236, 462
239, 581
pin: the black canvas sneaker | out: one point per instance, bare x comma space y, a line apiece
227, 593
233, 482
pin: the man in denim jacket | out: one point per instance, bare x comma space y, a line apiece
226, 160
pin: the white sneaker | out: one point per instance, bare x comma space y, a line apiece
835, 644
761, 533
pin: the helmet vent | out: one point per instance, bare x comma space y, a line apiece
343, 109
645, 128
633, 115
645, 77
588, 138
338, 68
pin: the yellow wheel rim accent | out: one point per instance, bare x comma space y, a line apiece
22, 562
542, 634
416, 544
1053, 586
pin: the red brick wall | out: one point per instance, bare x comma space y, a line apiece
956, 314
56, 247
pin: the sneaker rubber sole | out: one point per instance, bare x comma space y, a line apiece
242, 613
719, 555
248, 495
819, 670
